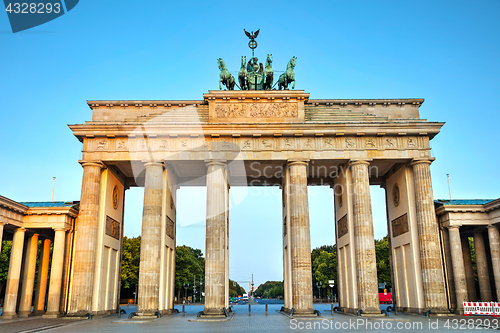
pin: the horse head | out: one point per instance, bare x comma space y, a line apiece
293, 61
243, 61
221, 63
269, 58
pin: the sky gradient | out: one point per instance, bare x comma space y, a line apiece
446, 52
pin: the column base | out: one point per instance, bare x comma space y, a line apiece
38, 312
7, 315
147, 313
439, 312
370, 312
24, 314
52, 315
214, 312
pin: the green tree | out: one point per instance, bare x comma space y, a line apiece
272, 289
235, 289
324, 267
131, 257
383, 261
4, 262
189, 263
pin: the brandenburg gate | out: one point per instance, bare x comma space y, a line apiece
252, 138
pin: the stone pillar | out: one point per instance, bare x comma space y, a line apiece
86, 241
458, 267
469, 271
149, 269
11, 290
364, 241
482, 268
28, 277
428, 234
56, 274
41, 281
300, 237
494, 238
215, 247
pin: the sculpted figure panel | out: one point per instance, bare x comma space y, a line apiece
257, 110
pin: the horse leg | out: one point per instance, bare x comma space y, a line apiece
293, 87
220, 87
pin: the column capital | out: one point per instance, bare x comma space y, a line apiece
422, 160
2, 223
298, 162
60, 229
92, 163
21, 229
359, 162
215, 162
453, 227
148, 164
491, 226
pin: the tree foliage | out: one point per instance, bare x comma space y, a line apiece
383, 261
324, 267
4, 262
131, 257
272, 289
189, 263
235, 289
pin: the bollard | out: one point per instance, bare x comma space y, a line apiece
183, 310
249, 310
332, 309
266, 309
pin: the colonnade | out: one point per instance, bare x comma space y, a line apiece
487, 250
19, 300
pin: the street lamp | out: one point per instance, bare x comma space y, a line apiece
319, 284
185, 290
194, 289
331, 283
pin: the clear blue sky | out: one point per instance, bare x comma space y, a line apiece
444, 51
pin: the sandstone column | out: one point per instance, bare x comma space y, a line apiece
149, 269
428, 235
56, 274
28, 277
494, 238
86, 240
482, 268
457, 261
300, 237
364, 241
10, 302
469, 271
215, 248
41, 281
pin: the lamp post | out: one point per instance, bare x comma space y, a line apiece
331, 283
319, 284
194, 289
185, 290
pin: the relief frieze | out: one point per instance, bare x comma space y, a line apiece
282, 143
342, 226
112, 228
256, 110
170, 228
400, 225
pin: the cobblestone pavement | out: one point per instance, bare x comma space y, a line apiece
259, 322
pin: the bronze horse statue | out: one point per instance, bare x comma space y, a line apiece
268, 73
289, 76
242, 74
225, 77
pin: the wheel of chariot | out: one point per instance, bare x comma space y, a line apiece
252, 44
